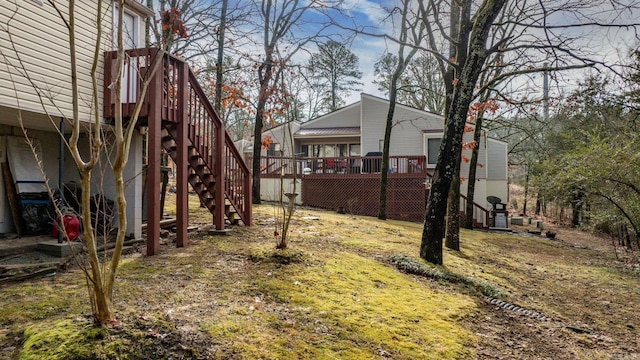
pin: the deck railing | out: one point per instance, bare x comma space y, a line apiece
480, 214
182, 100
276, 166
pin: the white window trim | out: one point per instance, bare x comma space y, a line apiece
428, 136
136, 24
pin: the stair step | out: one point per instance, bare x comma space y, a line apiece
210, 204
200, 176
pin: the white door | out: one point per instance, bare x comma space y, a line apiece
131, 40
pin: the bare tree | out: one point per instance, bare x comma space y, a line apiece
199, 17
222, 30
282, 38
411, 33
337, 66
533, 42
420, 85
101, 273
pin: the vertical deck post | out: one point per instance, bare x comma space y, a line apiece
218, 216
247, 199
153, 166
182, 202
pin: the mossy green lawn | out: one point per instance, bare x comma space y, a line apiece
332, 295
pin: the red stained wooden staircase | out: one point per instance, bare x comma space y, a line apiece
182, 122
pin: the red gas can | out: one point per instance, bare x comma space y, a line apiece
71, 225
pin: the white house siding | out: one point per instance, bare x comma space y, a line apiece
49, 144
407, 132
133, 185
101, 183
348, 116
272, 189
481, 168
280, 135
497, 180
497, 157
480, 194
498, 188
466, 157
41, 41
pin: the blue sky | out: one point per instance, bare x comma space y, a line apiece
603, 43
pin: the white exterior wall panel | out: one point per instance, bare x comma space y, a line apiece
480, 194
497, 157
465, 159
481, 167
280, 135
371, 124
498, 188
407, 133
407, 137
348, 116
272, 189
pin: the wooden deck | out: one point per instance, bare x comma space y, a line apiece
181, 121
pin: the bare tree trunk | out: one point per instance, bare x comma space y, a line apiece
473, 167
264, 74
384, 170
403, 61
452, 236
526, 193
220, 59
257, 149
431, 246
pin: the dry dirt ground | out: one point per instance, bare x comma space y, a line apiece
335, 295
587, 317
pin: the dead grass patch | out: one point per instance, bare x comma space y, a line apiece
333, 294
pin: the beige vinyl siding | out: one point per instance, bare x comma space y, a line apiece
41, 41
372, 124
407, 133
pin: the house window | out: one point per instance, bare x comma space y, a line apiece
271, 150
342, 150
330, 150
354, 150
316, 151
274, 149
131, 40
432, 148
130, 31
